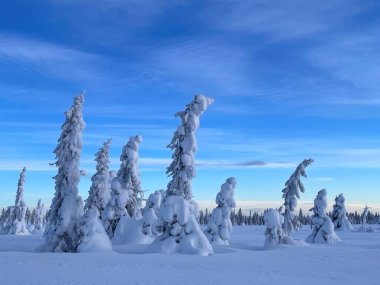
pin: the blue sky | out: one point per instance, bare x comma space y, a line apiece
291, 80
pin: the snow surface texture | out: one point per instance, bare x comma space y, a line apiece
126, 194
291, 193
150, 213
323, 228
92, 235
219, 226
16, 224
339, 215
274, 232
61, 233
178, 213
244, 262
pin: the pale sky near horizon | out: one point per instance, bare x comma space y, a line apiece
291, 80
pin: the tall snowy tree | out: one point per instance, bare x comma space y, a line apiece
178, 212
61, 233
291, 193
18, 222
339, 215
323, 228
274, 232
126, 194
219, 226
92, 235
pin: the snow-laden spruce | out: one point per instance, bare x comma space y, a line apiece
178, 213
61, 233
363, 219
100, 191
291, 193
339, 215
150, 213
219, 227
38, 219
274, 233
323, 228
92, 235
17, 223
126, 194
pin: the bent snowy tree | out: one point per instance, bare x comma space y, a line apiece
67, 206
178, 212
291, 193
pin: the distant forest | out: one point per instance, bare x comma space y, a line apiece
255, 218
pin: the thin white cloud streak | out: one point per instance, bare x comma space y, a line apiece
43, 57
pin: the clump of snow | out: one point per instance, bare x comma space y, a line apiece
323, 228
291, 193
178, 213
61, 233
274, 232
219, 227
339, 215
92, 236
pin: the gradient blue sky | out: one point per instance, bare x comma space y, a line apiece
290, 79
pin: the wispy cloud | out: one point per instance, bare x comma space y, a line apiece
43, 57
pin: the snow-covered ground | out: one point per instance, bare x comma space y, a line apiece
353, 261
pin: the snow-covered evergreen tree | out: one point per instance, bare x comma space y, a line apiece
92, 235
219, 226
100, 190
291, 193
126, 194
323, 228
19, 226
150, 213
178, 213
364, 215
339, 215
61, 233
274, 233
39, 216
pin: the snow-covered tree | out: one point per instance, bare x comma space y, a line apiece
364, 215
39, 216
61, 233
274, 233
323, 228
19, 226
291, 193
92, 235
129, 176
178, 213
150, 213
219, 226
126, 194
100, 190
339, 215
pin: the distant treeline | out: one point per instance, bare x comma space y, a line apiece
255, 218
